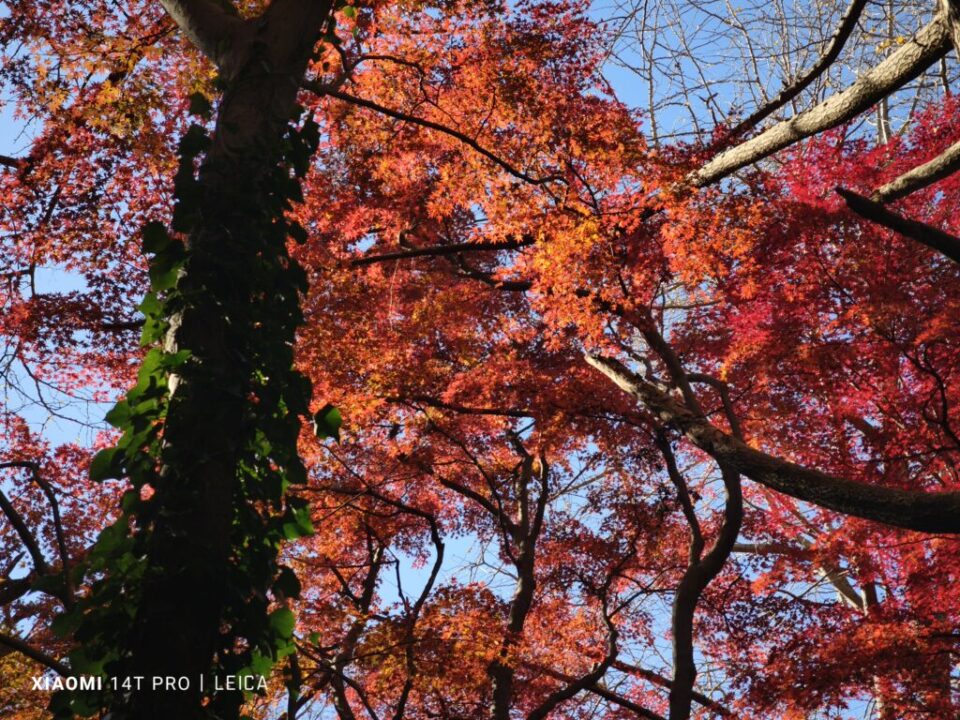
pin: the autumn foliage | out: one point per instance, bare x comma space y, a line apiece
502, 529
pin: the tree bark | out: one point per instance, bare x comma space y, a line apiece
940, 167
931, 512
177, 630
924, 49
699, 574
944, 243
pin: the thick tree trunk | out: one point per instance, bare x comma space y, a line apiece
177, 630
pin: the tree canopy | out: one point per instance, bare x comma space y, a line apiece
452, 382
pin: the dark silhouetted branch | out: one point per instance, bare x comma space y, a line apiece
33, 653
322, 90
930, 512
441, 250
944, 243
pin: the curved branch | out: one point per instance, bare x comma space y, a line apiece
44, 486
930, 512
599, 690
585, 682
926, 47
26, 536
322, 90
698, 575
441, 250
31, 652
665, 682
593, 677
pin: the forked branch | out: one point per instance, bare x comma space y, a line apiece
847, 23
931, 512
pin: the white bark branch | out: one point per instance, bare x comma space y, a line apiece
915, 56
943, 165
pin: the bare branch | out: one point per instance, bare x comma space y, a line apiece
951, 10
911, 59
839, 39
463, 409
774, 548
698, 575
665, 682
600, 690
721, 387
322, 90
834, 575
11, 590
33, 653
47, 490
440, 250
10, 162
26, 536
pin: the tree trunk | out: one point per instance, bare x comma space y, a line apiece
177, 631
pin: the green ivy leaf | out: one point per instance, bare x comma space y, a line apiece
282, 621
111, 537
164, 275
327, 422
260, 664
174, 360
104, 465
150, 305
119, 415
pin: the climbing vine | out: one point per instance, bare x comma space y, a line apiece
255, 287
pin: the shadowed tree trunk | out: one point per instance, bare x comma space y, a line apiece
177, 630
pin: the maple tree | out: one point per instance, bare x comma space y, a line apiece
629, 429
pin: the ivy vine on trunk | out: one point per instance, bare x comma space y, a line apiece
187, 581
